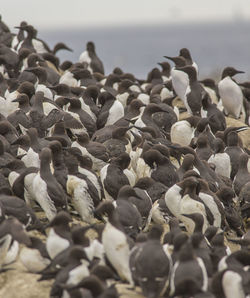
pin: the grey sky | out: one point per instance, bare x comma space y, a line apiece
87, 13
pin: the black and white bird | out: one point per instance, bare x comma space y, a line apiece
230, 92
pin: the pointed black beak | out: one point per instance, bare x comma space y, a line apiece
68, 49
168, 57
16, 100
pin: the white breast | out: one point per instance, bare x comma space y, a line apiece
232, 285
31, 159
165, 93
87, 109
68, 79
11, 253
123, 98
222, 163
84, 57
173, 199
188, 206
29, 194
181, 133
38, 46
12, 177
42, 197
46, 91
78, 273
55, 244
92, 178
116, 112
144, 98
231, 96
78, 190
117, 250
180, 82
210, 203
32, 259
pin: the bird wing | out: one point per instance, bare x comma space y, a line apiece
53, 117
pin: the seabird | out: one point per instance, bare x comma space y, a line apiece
59, 237
230, 93
115, 243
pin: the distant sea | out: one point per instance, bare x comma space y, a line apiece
137, 49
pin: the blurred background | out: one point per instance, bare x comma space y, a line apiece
136, 34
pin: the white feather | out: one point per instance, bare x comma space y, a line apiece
134, 88
31, 159
222, 164
78, 190
117, 251
12, 253
204, 273
231, 96
188, 206
165, 93
55, 244
181, 133
210, 203
42, 197
10, 106
173, 200
131, 176
232, 285
180, 83
87, 109
29, 193
116, 112
68, 79
122, 98
12, 177
92, 177
32, 259
144, 98
38, 46
46, 91
78, 273
84, 57
98, 164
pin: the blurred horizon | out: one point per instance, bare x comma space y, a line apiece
137, 49
135, 35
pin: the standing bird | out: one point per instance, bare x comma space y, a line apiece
210, 110
230, 92
73, 273
89, 56
182, 281
59, 237
113, 176
162, 168
111, 111
153, 265
194, 92
242, 176
12, 233
31, 42
180, 79
115, 242
95, 150
48, 192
